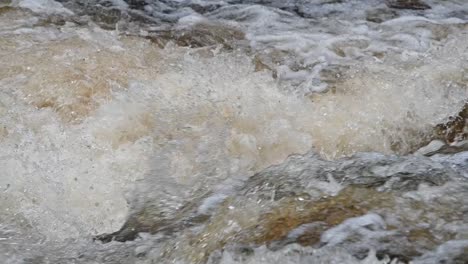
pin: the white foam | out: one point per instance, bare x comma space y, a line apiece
295, 254
43, 6
211, 202
359, 224
190, 20
308, 40
443, 252
120, 3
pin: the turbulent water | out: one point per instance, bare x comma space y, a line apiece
204, 131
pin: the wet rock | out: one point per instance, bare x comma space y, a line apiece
408, 4
455, 129
200, 35
136, 4
431, 148
52, 20
449, 137
439, 147
366, 169
301, 199
326, 212
305, 222
5, 9
295, 205
111, 17
152, 218
107, 18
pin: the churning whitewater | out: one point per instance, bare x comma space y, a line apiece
237, 131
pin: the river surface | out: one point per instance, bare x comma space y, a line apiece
235, 131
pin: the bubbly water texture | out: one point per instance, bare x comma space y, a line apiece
100, 124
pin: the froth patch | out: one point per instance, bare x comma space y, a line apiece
43, 6
123, 124
373, 108
69, 74
387, 108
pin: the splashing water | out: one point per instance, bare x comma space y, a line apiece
150, 117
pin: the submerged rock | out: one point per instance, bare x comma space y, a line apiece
200, 35
305, 197
431, 148
439, 147
380, 15
408, 4
151, 218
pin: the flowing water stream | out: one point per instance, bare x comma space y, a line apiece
235, 131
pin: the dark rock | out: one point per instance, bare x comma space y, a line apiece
462, 258
6, 9
408, 4
286, 182
151, 217
107, 18
200, 35
455, 129
136, 4
439, 147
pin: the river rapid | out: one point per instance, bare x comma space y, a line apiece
235, 131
